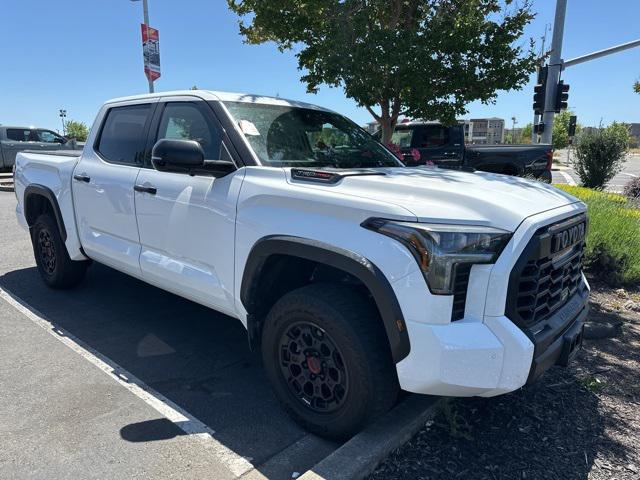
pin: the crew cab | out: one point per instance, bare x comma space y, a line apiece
354, 275
422, 142
17, 139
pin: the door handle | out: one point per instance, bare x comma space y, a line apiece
82, 178
145, 189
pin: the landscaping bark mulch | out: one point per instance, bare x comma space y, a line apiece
580, 422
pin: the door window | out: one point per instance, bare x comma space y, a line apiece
402, 137
19, 134
433, 136
47, 136
122, 138
189, 121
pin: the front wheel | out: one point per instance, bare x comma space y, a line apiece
326, 354
52, 259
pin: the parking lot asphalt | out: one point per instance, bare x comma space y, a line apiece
134, 362
563, 173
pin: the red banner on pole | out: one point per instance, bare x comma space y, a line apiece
151, 52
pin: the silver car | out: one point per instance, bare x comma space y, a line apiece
17, 139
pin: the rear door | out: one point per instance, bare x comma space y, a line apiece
17, 140
103, 184
439, 144
187, 223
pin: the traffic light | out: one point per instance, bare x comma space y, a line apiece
573, 121
539, 91
562, 96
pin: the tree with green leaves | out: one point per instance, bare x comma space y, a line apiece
76, 130
418, 58
636, 87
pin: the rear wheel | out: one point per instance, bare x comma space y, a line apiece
327, 357
53, 262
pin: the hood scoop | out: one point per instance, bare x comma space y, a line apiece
327, 176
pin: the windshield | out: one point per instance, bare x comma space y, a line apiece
283, 136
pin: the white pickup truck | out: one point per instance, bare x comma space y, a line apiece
355, 275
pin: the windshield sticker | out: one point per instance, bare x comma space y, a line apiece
248, 128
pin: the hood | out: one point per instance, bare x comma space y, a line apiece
451, 196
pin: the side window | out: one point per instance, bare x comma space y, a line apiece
18, 134
433, 136
122, 138
188, 121
49, 137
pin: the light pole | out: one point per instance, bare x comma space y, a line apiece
145, 11
63, 115
513, 130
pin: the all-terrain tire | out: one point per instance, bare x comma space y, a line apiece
343, 328
52, 259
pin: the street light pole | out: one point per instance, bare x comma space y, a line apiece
513, 130
145, 11
63, 114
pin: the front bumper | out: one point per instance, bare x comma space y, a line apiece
561, 338
485, 353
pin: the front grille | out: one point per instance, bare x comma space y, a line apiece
542, 282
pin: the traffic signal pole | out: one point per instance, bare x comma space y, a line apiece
555, 68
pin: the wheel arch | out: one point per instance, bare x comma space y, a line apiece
322, 254
37, 199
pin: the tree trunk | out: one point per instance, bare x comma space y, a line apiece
387, 119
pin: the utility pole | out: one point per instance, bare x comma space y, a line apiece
555, 68
513, 130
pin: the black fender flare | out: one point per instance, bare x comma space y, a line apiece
345, 260
46, 192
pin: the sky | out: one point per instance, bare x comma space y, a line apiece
75, 54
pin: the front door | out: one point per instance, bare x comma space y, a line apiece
103, 184
187, 223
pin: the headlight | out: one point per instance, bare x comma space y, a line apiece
439, 248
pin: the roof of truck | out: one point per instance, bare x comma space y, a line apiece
223, 97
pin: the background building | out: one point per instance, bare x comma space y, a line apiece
484, 131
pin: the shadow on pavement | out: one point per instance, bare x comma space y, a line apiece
194, 356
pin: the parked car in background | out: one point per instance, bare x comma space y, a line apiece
444, 146
18, 139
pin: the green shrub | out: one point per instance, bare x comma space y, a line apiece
613, 238
632, 189
600, 154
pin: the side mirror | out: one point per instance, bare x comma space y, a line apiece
177, 155
187, 156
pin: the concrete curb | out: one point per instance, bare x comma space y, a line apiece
363, 453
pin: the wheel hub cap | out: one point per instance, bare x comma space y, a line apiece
313, 367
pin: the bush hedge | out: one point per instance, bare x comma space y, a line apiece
613, 238
600, 154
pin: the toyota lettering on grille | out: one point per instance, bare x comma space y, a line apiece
568, 238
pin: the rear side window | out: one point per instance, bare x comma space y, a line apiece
18, 134
403, 137
433, 136
122, 138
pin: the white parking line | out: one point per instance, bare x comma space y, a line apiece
237, 464
629, 174
568, 178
